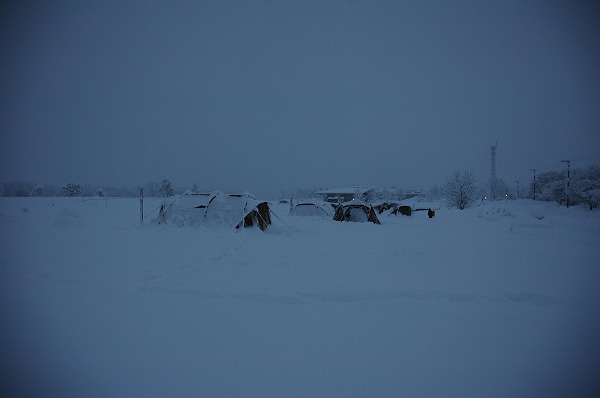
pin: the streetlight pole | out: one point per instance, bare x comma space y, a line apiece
533, 183
568, 162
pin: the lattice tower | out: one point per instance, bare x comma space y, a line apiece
493, 163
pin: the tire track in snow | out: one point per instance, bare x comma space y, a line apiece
521, 298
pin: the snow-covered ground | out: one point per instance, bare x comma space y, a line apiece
501, 300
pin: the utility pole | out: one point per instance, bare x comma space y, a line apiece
568, 162
141, 205
517, 195
533, 183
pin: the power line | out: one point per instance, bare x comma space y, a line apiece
584, 158
587, 157
552, 166
557, 166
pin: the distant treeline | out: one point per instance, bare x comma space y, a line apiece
580, 186
151, 189
29, 189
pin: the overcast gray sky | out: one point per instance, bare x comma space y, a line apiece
273, 95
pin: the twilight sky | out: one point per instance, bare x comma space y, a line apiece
275, 95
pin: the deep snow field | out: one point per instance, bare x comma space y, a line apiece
500, 300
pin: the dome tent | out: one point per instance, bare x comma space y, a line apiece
311, 209
404, 210
216, 209
357, 211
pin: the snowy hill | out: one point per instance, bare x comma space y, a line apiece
498, 300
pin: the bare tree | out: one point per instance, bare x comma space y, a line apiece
460, 189
497, 188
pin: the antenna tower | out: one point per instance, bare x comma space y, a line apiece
493, 182
493, 168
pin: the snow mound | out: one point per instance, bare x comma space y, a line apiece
68, 218
495, 214
530, 220
536, 211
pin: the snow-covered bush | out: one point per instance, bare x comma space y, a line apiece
461, 189
583, 186
71, 189
586, 187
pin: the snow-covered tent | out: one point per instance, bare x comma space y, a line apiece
312, 209
404, 210
385, 206
357, 211
216, 209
